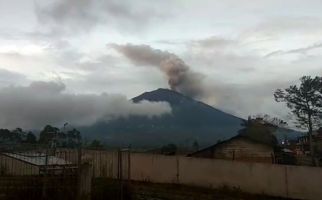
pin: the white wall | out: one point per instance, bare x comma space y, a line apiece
297, 182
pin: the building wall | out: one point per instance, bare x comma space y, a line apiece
239, 149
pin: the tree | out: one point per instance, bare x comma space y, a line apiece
18, 135
96, 144
259, 131
5, 136
73, 138
169, 149
275, 121
48, 134
195, 145
305, 102
31, 138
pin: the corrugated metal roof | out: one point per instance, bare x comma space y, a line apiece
38, 159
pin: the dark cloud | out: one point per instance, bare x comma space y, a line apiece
43, 103
302, 50
180, 77
213, 42
82, 15
73, 13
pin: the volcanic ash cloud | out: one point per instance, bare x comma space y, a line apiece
180, 77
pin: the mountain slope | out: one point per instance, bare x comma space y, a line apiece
190, 121
187, 112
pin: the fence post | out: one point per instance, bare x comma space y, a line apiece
129, 165
286, 181
44, 188
120, 173
85, 182
177, 169
80, 171
79, 158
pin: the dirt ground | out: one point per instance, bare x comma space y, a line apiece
111, 189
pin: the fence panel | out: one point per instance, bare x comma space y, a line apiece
39, 173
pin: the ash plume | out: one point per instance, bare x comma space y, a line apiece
180, 77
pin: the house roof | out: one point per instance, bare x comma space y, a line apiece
38, 159
239, 136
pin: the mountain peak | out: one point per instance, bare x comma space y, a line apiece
162, 94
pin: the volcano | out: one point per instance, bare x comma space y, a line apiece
191, 121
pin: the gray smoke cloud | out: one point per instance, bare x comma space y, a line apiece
180, 77
43, 103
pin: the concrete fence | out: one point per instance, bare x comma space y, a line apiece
298, 182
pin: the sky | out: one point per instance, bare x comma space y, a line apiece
231, 54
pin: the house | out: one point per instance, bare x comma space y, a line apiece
303, 143
318, 134
31, 163
240, 148
317, 137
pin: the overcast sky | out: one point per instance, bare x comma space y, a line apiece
237, 51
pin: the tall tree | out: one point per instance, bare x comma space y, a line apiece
274, 121
18, 135
6, 136
169, 149
305, 102
96, 144
73, 138
48, 134
31, 138
259, 130
195, 145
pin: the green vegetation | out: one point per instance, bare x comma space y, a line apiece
135, 190
53, 134
48, 136
96, 144
169, 149
259, 130
16, 136
305, 102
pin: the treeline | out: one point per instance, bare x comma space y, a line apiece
47, 136
17, 136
